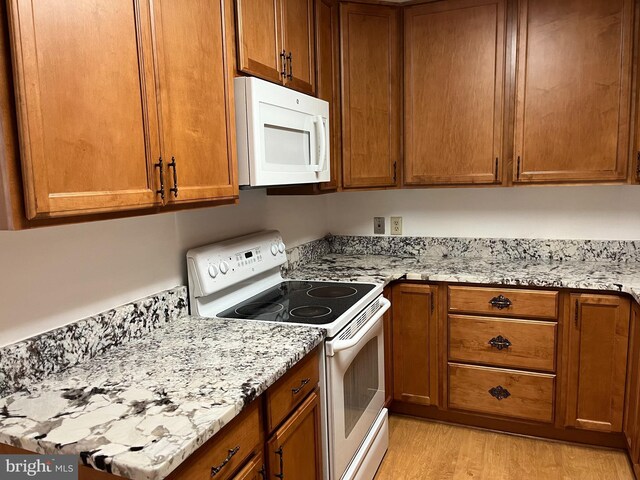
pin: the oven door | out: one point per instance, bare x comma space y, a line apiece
355, 389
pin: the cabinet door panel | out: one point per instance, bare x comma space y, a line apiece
370, 95
294, 449
86, 105
597, 362
328, 87
259, 38
415, 344
573, 90
196, 99
632, 392
454, 77
298, 42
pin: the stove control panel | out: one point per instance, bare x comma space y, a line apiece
221, 265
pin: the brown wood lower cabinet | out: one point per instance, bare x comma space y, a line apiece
549, 363
294, 450
415, 376
597, 361
254, 470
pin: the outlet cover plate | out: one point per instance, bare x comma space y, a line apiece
378, 225
396, 225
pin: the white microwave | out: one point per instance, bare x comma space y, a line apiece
282, 135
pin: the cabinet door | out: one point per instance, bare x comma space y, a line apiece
196, 92
86, 105
328, 88
573, 90
415, 361
259, 38
298, 34
597, 361
632, 396
294, 450
454, 80
253, 470
371, 53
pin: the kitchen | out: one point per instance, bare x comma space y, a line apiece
513, 301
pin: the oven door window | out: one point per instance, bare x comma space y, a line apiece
360, 384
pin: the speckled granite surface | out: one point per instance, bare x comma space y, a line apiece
494, 248
140, 409
601, 275
29, 361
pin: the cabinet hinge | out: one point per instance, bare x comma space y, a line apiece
518, 172
577, 314
395, 172
496, 169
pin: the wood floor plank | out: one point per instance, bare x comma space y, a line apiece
424, 450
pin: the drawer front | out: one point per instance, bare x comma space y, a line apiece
503, 342
504, 302
228, 450
509, 393
291, 389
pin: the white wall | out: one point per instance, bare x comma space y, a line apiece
581, 212
53, 276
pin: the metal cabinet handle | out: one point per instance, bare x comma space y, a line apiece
175, 177
232, 452
280, 453
283, 61
290, 64
262, 472
500, 302
499, 392
297, 390
161, 167
500, 342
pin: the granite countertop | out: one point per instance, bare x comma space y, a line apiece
140, 409
589, 275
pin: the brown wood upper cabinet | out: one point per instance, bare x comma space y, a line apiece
573, 91
87, 112
196, 98
275, 41
328, 89
371, 89
93, 131
597, 361
415, 354
454, 92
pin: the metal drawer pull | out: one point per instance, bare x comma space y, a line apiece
297, 390
500, 302
232, 452
499, 392
161, 167
500, 342
280, 453
175, 177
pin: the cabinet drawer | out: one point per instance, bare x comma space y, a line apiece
504, 302
503, 342
227, 450
509, 393
291, 389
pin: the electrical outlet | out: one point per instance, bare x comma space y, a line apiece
396, 225
378, 225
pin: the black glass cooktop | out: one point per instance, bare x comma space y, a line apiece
314, 303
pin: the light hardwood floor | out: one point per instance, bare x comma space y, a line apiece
424, 450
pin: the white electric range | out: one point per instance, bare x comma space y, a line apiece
241, 279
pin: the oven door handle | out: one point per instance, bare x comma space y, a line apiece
333, 348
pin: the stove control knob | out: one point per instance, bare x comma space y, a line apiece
213, 271
224, 267
281, 247
274, 249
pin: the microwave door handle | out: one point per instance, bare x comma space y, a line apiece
333, 348
321, 136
